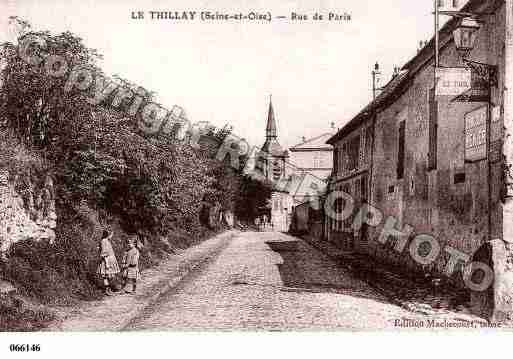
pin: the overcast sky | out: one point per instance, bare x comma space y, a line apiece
317, 72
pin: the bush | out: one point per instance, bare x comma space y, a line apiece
53, 273
14, 317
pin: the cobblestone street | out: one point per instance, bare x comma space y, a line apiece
262, 281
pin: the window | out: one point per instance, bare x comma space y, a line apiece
335, 159
368, 145
277, 171
361, 164
364, 190
348, 221
343, 158
400, 152
338, 209
321, 163
433, 131
459, 178
353, 153
318, 160
357, 189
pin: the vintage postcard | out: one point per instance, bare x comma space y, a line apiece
255, 166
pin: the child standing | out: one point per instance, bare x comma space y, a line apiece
108, 266
131, 266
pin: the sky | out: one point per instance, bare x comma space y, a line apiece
318, 72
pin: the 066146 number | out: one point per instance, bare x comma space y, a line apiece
24, 348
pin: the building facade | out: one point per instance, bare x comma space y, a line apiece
351, 173
314, 155
418, 158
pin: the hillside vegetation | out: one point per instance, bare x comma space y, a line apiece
106, 173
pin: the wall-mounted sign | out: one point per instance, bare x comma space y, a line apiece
452, 81
496, 134
497, 128
475, 134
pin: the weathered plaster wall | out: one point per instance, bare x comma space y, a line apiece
430, 201
27, 209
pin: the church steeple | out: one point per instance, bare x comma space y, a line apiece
270, 131
271, 145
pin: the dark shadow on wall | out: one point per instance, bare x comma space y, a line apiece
483, 302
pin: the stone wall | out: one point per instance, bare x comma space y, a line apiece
449, 202
27, 209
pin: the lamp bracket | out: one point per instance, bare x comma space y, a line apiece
484, 77
463, 14
485, 72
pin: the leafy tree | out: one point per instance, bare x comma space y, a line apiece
253, 199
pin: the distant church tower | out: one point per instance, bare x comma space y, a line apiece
273, 159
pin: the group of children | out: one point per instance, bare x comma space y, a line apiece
108, 267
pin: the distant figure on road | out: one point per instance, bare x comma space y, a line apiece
265, 220
257, 222
108, 266
131, 265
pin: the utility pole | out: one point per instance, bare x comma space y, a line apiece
437, 37
375, 79
507, 210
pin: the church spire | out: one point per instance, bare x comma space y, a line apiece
270, 131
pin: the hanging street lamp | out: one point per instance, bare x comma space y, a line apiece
465, 39
465, 36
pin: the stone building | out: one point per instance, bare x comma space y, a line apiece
421, 159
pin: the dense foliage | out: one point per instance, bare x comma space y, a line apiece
156, 186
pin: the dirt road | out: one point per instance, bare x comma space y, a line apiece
250, 281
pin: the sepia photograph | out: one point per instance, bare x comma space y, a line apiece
244, 167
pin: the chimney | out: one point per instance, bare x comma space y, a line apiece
422, 44
397, 70
303, 139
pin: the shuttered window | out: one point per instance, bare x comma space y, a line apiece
335, 160
433, 131
348, 221
364, 190
343, 158
400, 154
362, 148
368, 146
353, 153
